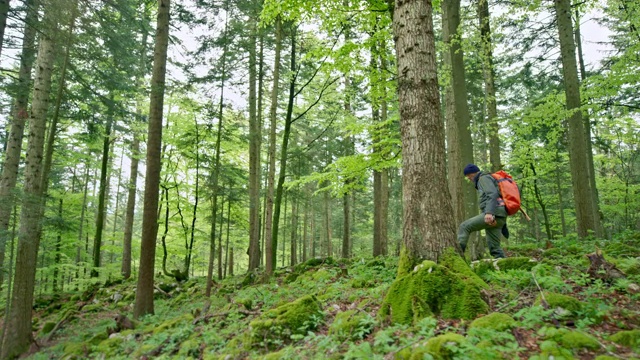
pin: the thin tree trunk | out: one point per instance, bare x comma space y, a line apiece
428, 227
489, 84
144, 290
117, 207
561, 203
305, 224
294, 230
231, 262
542, 205
10, 270
226, 246
102, 194
220, 240
19, 115
255, 139
82, 215
582, 190
131, 205
18, 340
327, 223
56, 262
163, 240
270, 245
187, 260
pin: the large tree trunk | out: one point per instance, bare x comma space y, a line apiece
18, 340
489, 84
582, 190
459, 143
270, 247
144, 292
428, 227
255, 139
587, 128
19, 116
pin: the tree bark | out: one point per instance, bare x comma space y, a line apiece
18, 340
270, 247
4, 11
489, 84
428, 227
144, 292
102, 193
255, 140
19, 115
582, 190
599, 231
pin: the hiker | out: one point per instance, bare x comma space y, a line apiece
493, 218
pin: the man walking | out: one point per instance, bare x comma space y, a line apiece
494, 215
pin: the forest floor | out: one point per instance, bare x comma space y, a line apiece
330, 310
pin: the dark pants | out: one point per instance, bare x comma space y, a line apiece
493, 232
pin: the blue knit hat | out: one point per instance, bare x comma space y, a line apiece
471, 169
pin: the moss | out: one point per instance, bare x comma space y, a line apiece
79, 349
92, 308
605, 357
171, 323
98, 338
322, 275
483, 266
111, 346
495, 321
630, 338
246, 302
48, 326
438, 346
551, 350
523, 263
562, 301
362, 283
350, 325
450, 289
292, 318
189, 347
578, 340
405, 263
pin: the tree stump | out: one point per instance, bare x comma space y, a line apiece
600, 268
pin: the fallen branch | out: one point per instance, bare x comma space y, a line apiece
59, 324
162, 291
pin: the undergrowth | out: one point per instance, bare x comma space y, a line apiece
330, 310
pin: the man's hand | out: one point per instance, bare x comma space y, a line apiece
490, 219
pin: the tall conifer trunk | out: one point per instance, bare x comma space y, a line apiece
18, 118
144, 291
19, 338
578, 158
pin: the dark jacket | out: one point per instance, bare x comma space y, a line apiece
489, 195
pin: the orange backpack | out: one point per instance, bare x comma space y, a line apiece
508, 191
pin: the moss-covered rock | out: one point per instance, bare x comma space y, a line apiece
578, 340
47, 327
449, 289
482, 267
439, 346
553, 253
92, 308
630, 338
112, 346
351, 325
296, 317
246, 302
495, 321
168, 324
556, 300
75, 350
512, 263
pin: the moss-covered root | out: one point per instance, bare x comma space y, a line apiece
449, 289
280, 323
